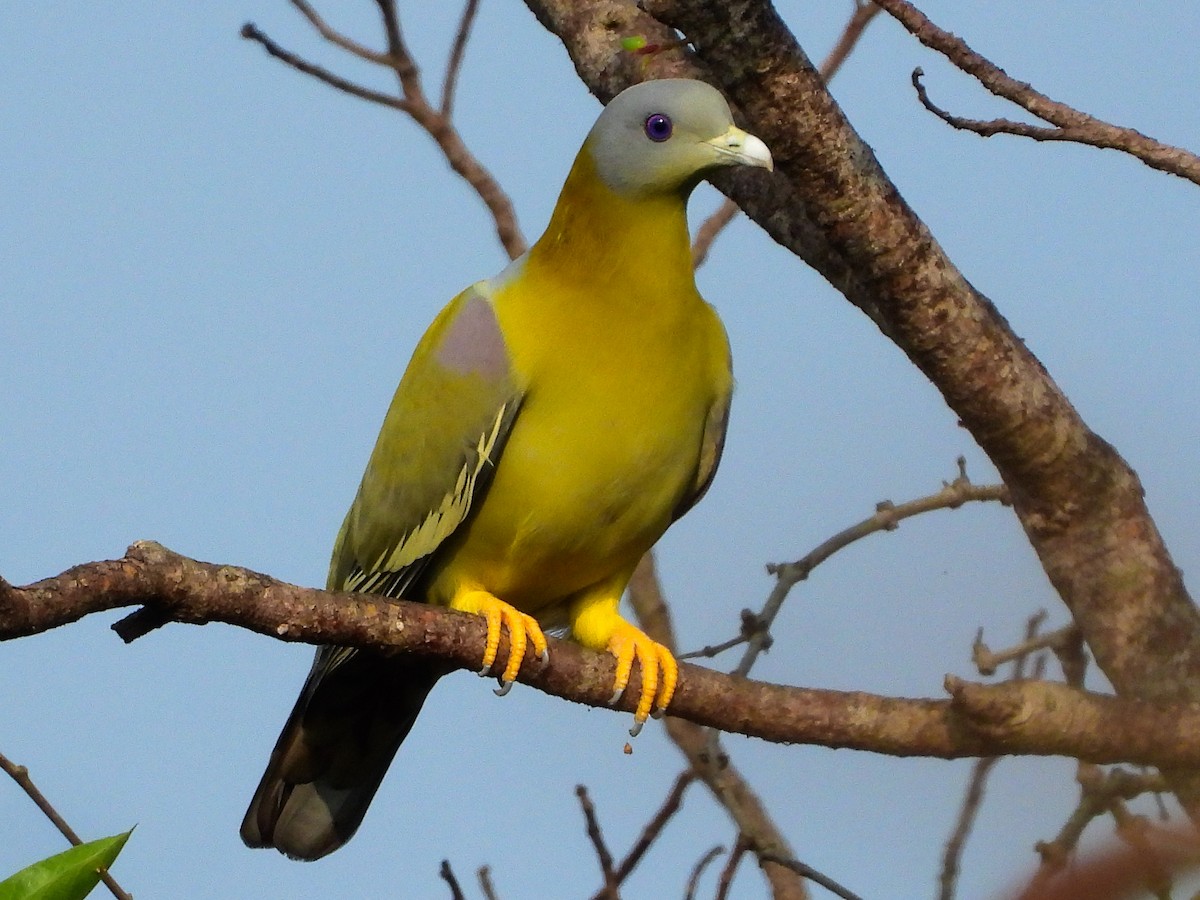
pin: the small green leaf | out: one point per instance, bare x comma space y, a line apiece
69, 875
634, 43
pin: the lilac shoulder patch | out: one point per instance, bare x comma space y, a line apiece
473, 342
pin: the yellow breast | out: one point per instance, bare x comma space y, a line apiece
621, 361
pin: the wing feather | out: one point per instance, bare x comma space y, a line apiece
440, 443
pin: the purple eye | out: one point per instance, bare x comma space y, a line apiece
658, 128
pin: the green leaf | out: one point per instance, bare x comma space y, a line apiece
69, 875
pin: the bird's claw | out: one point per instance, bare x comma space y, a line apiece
523, 631
659, 672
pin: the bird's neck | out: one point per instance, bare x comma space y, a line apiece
598, 236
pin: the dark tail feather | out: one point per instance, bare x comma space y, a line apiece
334, 751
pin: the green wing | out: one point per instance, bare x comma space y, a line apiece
436, 452
712, 442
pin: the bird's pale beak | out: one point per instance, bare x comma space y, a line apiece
740, 148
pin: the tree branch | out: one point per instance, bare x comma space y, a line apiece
457, 51
436, 122
1037, 718
1069, 123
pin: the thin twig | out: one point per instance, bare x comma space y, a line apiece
1097, 792
412, 102
698, 870
485, 883
337, 38
973, 799
987, 661
710, 228
20, 774
864, 12
887, 517
725, 882
448, 876
812, 875
457, 51
1070, 124
250, 31
609, 891
655, 826
400, 60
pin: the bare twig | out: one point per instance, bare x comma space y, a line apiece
887, 517
752, 624
485, 883
457, 51
653, 828
1097, 792
1069, 124
987, 661
412, 102
609, 891
864, 12
20, 774
710, 228
400, 60
973, 799
448, 876
812, 875
698, 870
728, 786
725, 882
251, 32
337, 38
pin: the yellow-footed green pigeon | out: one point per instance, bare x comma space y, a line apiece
553, 422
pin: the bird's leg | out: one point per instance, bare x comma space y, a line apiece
522, 631
595, 623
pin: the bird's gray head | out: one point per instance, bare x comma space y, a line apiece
662, 136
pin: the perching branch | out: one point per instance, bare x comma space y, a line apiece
1068, 123
1027, 718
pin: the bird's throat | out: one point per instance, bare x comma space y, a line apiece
596, 233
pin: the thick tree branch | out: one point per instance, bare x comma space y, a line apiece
710, 228
1039, 718
830, 202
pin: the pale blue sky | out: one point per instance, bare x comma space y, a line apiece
212, 271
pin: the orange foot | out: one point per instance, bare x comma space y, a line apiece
523, 630
660, 672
